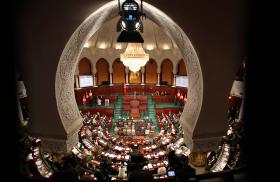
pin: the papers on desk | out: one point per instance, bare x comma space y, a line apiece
75, 151
222, 160
38, 162
127, 157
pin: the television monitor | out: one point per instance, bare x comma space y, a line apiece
85, 80
171, 173
182, 81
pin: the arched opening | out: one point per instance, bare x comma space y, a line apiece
135, 77
118, 72
66, 103
150, 72
166, 72
182, 70
102, 72
85, 67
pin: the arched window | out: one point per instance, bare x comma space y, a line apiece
182, 68
151, 72
166, 72
135, 77
85, 67
118, 72
102, 72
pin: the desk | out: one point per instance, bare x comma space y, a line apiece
164, 99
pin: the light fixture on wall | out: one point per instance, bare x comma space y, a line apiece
134, 56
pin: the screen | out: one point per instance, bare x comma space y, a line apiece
182, 81
85, 80
171, 173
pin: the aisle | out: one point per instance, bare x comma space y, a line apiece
152, 113
118, 111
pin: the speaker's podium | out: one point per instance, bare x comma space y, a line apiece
134, 109
134, 113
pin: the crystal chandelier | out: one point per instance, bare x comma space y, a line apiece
134, 56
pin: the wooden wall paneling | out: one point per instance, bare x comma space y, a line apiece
85, 67
118, 72
166, 71
151, 72
182, 68
102, 68
135, 78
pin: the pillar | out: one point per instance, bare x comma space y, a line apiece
158, 79
174, 80
94, 80
142, 78
198, 159
111, 79
126, 75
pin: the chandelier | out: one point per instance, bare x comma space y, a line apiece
134, 57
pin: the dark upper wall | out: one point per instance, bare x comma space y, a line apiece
214, 28
44, 28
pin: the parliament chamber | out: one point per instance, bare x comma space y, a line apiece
96, 113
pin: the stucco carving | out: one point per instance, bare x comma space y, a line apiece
61, 145
206, 144
64, 82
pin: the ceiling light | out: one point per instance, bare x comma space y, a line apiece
87, 45
118, 46
165, 47
150, 47
102, 45
134, 57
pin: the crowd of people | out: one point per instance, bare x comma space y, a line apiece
97, 145
231, 145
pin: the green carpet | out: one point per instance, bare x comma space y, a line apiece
167, 105
118, 112
152, 113
96, 106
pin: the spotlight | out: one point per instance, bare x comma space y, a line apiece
130, 22
133, 37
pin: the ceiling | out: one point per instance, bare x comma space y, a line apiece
154, 37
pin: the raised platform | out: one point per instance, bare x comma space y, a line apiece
112, 91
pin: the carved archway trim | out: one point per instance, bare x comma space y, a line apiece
64, 92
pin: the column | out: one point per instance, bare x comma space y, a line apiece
174, 80
111, 79
94, 80
126, 75
77, 81
142, 71
158, 79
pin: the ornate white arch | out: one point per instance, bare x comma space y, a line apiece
64, 81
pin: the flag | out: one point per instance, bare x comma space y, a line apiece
124, 89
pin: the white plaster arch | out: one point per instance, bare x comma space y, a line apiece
64, 81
